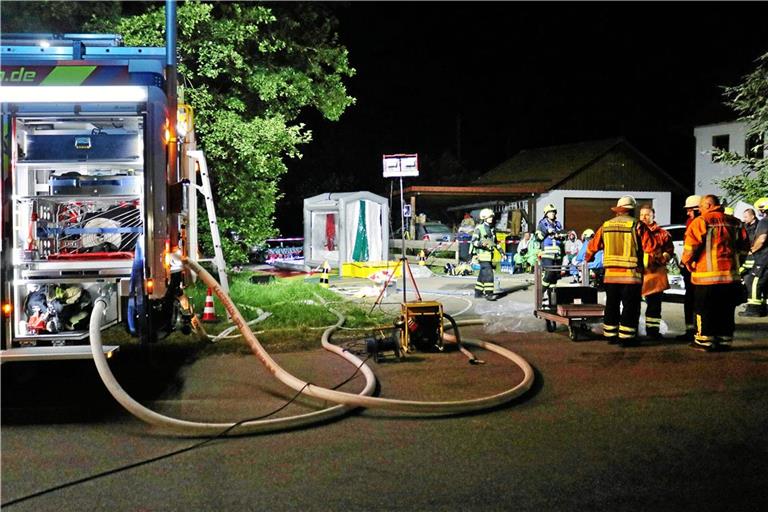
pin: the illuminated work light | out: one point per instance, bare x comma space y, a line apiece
166, 132
183, 120
167, 255
7, 309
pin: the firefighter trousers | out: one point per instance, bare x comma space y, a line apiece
549, 278
484, 284
688, 301
653, 313
756, 282
715, 306
622, 310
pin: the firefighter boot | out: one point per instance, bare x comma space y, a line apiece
688, 335
753, 310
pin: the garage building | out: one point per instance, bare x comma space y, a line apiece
584, 180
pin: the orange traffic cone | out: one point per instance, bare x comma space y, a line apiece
209, 313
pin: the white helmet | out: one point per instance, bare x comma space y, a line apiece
486, 213
692, 201
549, 208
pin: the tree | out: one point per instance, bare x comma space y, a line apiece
54, 16
248, 70
750, 101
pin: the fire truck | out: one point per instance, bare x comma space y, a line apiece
95, 199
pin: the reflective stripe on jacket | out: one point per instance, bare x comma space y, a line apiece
483, 240
623, 240
714, 243
550, 246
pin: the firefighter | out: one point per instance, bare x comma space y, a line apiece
482, 246
750, 220
655, 279
550, 234
691, 212
714, 242
755, 269
623, 240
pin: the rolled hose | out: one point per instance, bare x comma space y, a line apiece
346, 401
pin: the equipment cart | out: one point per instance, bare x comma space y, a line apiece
573, 306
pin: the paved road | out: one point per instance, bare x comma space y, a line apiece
657, 427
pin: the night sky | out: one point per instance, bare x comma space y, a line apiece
468, 85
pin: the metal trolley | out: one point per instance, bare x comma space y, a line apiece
572, 306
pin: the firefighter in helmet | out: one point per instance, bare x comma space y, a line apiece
624, 240
756, 275
550, 234
482, 245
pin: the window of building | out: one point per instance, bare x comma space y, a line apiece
753, 147
720, 142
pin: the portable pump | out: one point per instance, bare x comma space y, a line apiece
419, 327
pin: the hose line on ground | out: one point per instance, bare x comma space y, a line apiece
204, 428
472, 358
412, 406
345, 400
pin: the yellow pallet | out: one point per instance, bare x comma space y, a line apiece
365, 269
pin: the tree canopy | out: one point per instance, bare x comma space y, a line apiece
248, 70
749, 100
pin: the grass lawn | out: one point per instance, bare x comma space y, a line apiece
297, 321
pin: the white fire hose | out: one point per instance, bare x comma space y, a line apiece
347, 400
203, 428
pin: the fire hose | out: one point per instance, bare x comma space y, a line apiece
345, 400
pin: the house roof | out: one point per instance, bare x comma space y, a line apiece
448, 195
550, 166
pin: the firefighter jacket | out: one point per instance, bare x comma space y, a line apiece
751, 230
759, 249
655, 263
548, 233
623, 240
714, 242
749, 263
483, 242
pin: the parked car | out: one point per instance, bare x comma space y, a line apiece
434, 232
676, 289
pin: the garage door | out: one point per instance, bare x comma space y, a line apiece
582, 212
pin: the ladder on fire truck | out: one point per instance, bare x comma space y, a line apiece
198, 162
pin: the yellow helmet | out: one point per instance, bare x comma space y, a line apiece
485, 213
549, 208
588, 233
728, 210
761, 204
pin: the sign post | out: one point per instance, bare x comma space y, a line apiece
400, 166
